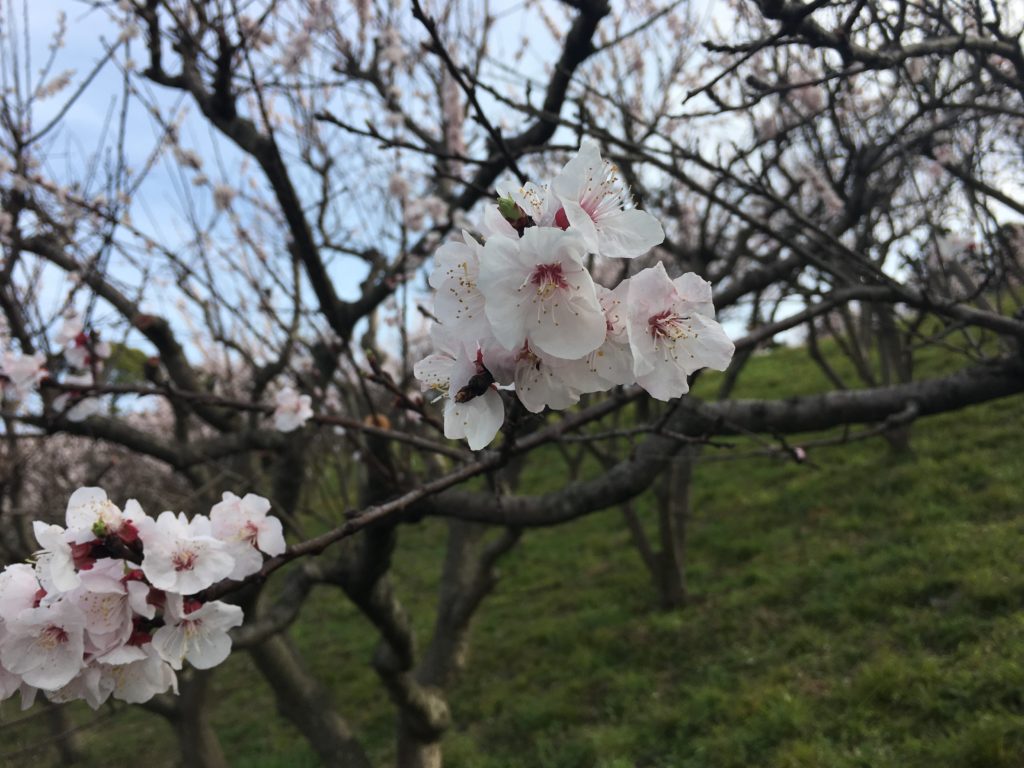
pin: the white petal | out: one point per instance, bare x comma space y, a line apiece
572, 325
270, 538
434, 371
172, 645
628, 234
477, 420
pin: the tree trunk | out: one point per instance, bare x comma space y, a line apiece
673, 515
199, 744
65, 739
414, 751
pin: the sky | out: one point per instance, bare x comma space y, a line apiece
160, 204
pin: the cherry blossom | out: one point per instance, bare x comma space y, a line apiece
247, 530
598, 205
292, 410
672, 331
473, 409
75, 405
458, 302
182, 555
198, 633
45, 645
84, 621
523, 309
19, 374
536, 289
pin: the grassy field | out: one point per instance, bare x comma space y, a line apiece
863, 611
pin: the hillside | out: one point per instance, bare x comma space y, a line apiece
857, 610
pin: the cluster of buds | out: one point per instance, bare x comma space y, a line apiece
113, 605
518, 307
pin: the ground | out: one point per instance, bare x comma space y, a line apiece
860, 610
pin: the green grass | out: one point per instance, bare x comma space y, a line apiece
864, 611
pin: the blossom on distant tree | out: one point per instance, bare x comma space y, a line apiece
292, 410
19, 374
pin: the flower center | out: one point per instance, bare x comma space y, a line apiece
548, 278
667, 325
53, 636
250, 533
184, 560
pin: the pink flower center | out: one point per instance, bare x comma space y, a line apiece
250, 533
561, 220
184, 560
548, 278
667, 325
52, 636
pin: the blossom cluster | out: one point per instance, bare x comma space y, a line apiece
520, 308
84, 354
112, 603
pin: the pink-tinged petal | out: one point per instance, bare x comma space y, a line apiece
123, 654
582, 224
9, 684
497, 225
55, 559
247, 559
140, 681
18, 588
171, 643
571, 328
138, 599
664, 382
208, 650
613, 362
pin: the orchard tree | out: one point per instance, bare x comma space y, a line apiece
415, 251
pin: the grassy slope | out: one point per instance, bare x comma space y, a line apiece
866, 612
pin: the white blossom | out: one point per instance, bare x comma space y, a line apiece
537, 290
196, 633
292, 410
598, 205
182, 555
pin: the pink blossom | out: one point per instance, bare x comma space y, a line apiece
245, 527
